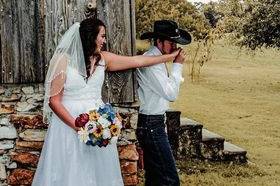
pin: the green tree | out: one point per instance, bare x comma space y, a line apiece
181, 11
262, 26
250, 23
232, 14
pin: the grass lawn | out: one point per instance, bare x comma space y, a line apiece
238, 97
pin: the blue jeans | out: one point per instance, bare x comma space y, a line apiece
159, 163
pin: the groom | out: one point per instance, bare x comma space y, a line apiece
157, 87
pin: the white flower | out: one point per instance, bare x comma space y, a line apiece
114, 139
106, 133
91, 126
83, 135
104, 122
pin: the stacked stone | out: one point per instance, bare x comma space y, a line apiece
128, 151
22, 133
190, 135
196, 142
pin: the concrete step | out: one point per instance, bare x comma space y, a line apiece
188, 140
234, 153
190, 135
212, 145
189, 123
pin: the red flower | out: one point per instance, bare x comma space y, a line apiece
82, 120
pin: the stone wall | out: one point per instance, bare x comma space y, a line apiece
22, 134
128, 152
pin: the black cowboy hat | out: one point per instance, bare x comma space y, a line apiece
168, 29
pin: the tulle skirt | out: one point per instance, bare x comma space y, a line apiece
65, 161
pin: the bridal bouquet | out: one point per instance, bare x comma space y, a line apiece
99, 127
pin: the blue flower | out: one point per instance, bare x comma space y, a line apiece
106, 108
89, 142
111, 116
98, 142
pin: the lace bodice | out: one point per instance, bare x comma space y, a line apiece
76, 87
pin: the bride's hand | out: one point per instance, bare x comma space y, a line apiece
76, 129
176, 52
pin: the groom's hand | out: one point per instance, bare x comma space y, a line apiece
180, 58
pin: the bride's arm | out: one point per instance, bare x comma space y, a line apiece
59, 109
118, 62
57, 79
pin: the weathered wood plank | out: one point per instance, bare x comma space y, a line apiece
133, 26
117, 18
30, 31
40, 41
26, 28
60, 15
1, 18
9, 42
133, 43
20, 42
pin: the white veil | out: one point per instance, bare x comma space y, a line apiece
69, 52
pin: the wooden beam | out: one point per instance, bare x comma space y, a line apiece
116, 14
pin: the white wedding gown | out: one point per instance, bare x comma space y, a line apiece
65, 161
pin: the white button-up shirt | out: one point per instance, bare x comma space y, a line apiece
156, 89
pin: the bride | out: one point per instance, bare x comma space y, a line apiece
73, 86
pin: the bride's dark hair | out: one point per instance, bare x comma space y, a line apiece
89, 29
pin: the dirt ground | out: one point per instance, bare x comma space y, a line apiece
238, 97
